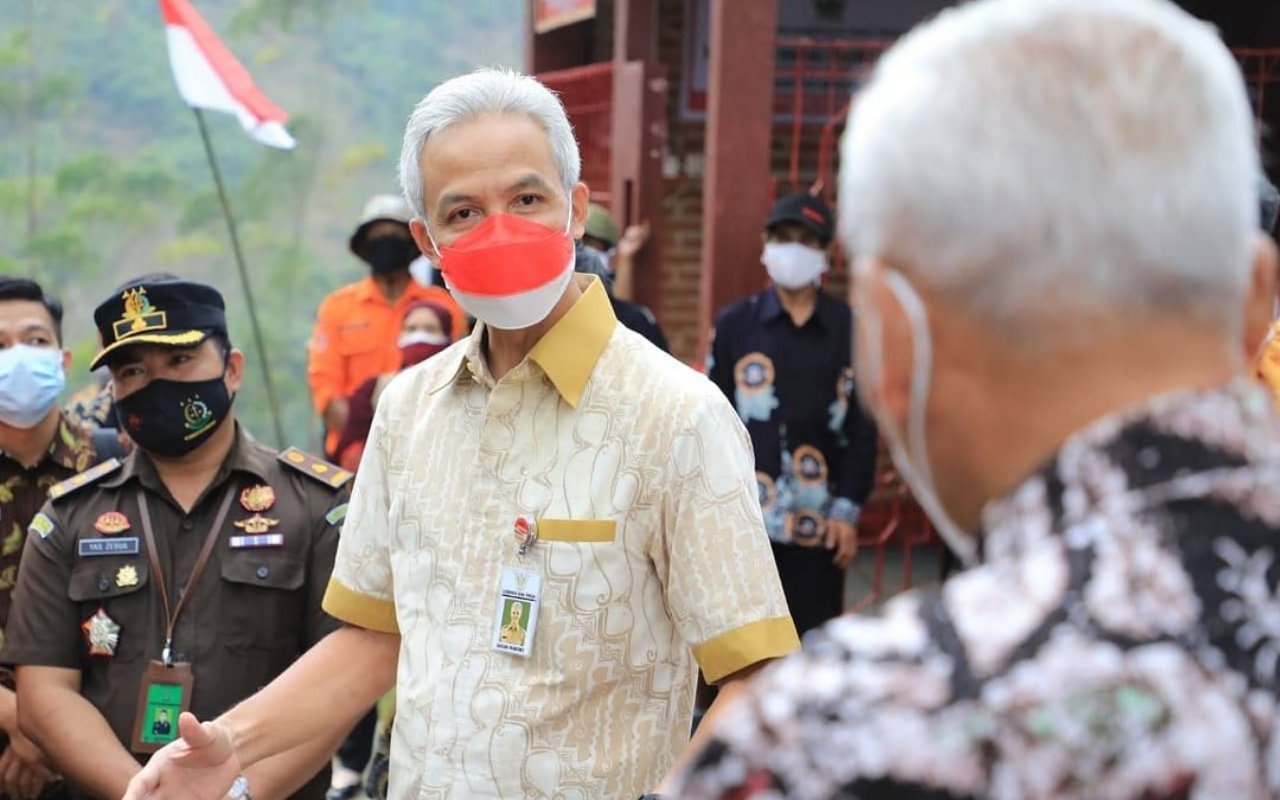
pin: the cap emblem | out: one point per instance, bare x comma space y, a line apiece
139, 314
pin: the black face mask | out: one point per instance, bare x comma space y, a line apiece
388, 254
172, 418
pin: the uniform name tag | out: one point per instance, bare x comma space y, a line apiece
258, 540
516, 618
122, 546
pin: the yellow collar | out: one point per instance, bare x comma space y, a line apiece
567, 353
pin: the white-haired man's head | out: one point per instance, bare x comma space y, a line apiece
1085, 157
1053, 212
485, 91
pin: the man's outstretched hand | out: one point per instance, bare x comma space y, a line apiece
199, 765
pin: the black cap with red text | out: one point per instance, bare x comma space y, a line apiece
806, 210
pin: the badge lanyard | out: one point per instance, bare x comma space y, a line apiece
171, 612
519, 596
166, 687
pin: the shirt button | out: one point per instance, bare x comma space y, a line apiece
104, 583
187, 524
264, 572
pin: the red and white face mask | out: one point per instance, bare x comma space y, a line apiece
508, 271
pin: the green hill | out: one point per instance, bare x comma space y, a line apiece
103, 175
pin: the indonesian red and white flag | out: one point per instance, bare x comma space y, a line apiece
209, 76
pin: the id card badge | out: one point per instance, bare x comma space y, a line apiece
516, 618
165, 692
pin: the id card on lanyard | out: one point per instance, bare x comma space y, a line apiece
519, 595
166, 686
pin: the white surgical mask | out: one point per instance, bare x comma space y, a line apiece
792, 265
422, 337
30, 380
912, 456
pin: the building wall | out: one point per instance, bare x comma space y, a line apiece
680, 229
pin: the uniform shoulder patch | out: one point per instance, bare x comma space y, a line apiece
79, 481
336, 514
315, 468
41, 525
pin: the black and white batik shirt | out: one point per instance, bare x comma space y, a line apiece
1120, 639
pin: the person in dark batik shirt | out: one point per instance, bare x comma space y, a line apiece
39, 446
1054, 214
783, 357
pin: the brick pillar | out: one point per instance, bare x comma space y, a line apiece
739, 127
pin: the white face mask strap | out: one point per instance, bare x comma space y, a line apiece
917, 457
921, 370
426, 227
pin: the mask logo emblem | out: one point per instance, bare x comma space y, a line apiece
196, 417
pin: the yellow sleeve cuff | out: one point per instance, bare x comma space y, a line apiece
741, 647
360, 610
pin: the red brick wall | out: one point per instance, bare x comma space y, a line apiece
679, 231
681, 228
681, 225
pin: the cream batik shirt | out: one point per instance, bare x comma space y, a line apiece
651, 548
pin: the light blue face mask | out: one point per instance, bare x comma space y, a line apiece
31, 378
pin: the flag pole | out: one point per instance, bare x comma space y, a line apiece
244, 278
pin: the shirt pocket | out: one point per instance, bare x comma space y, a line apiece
580, 531
357, 338
114, 584
263, 601
583, 563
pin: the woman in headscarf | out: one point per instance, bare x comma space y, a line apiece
427, 329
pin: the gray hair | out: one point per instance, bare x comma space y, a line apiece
1034, 157
485, 91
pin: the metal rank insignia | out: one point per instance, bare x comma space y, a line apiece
257, 524
127, 576
111, 523
101, 633
258, 498
526, 530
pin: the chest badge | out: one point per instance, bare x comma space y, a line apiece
754, 395
256, 524
101, 633
111, 523
257, 499
127, 576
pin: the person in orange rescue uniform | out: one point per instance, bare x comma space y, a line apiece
357, 326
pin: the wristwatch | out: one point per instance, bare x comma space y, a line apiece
239, 789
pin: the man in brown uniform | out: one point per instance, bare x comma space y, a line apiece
186, 576
39, 446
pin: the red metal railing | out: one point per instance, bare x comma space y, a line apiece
817, 78
892, 522
587, 94
1261, 68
